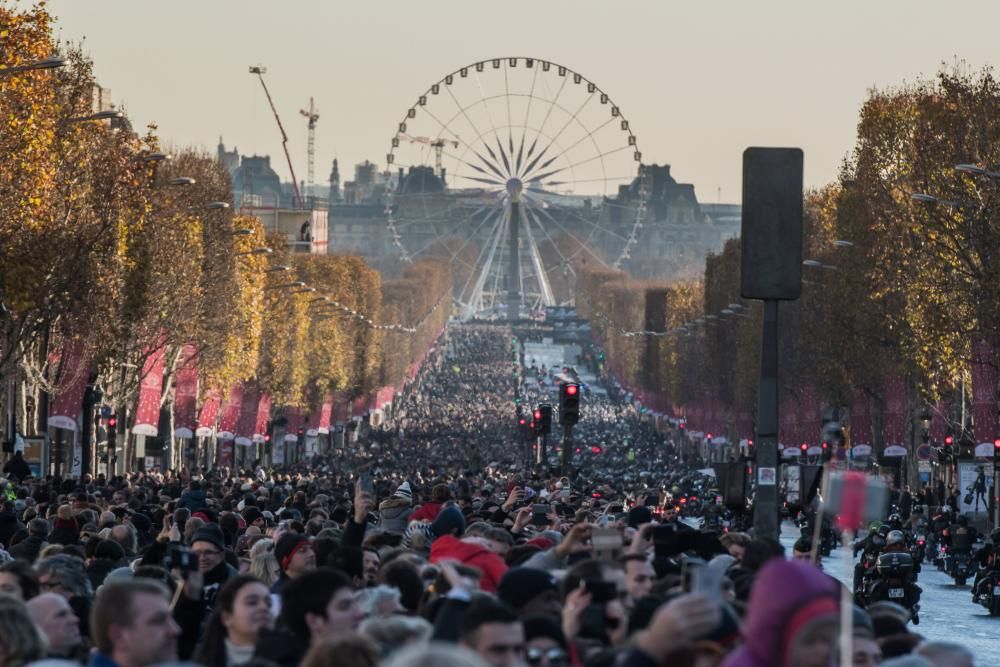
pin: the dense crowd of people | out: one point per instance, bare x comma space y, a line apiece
430, 540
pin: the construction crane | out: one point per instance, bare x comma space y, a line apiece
312, 115
437, 144
260, 71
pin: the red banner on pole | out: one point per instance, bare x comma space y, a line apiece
984, 391
263, 414
231, 412
894, 417
861, 423
71, 382
147, 415
209, 413
248, 415
186, 393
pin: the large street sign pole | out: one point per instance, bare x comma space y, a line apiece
770, 271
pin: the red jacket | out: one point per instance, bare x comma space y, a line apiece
426, 512
473, 555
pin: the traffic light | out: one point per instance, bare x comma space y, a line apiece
543, 419
949, 440
996, 449
804, 448
112, 432
569, 403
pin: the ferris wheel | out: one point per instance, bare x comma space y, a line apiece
519, 171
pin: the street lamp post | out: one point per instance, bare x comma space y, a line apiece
53, 62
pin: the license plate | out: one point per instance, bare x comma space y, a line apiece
896, 593
996, 591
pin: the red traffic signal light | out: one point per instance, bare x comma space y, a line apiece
595, 450
112, 422
522, 421
708, 436
267, 438
538, 415
572, 390
804, 447
949, 440
996, 443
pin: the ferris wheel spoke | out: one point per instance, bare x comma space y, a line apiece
475, 129
585, 221
583, 245
534, 218
510, 122
468, 146
490, 181
486, 108
524, 123
469, 237
599, 156
574, 117
548, 114
503, 155
485, 260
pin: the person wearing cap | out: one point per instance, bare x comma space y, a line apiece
394, 512
295, 556
530, 592
209, 546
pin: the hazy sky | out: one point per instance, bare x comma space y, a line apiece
698, 80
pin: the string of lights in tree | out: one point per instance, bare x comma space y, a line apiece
329, 302
732, 310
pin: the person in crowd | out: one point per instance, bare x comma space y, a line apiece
530, 592
494, 632
18, 579
263, 565
242, 610
394, 512
208, 546
21, 642
353, 651
393, 633
58, 623
67, 576
31, 546
131, 624
317, 605
789, 626
295, 556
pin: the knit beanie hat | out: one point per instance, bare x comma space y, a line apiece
449, 520
211, 533
403, 491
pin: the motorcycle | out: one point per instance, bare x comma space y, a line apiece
864, 577
987, 592
918, 548
894, 583
960, 567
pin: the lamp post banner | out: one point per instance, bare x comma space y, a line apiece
147, 415
984, 391
64, 411
186, 390
231, 409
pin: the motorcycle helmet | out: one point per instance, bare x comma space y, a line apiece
894, 537
895, 521
884, 529
873, 527
995, 536
962, 520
